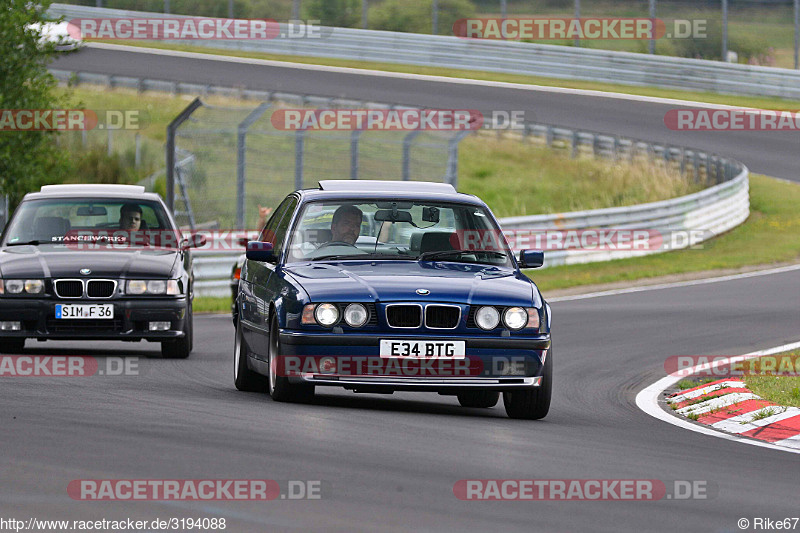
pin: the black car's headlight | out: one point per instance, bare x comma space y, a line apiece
21, 286
169, 287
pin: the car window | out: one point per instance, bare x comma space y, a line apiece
283, 227
387, 229
271, 227
50, 220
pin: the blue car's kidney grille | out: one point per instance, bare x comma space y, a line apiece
404, 316
442, 316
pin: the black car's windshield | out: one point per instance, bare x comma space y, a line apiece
394, 229
126, 222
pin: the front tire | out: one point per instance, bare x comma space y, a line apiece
532, 404
182, 347
478, 398
279, 387
244, 378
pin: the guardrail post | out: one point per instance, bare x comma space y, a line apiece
549, 136
299, 146
575, 142
172, 129
241, 157
407, 140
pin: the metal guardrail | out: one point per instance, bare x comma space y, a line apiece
712, 211
506, 57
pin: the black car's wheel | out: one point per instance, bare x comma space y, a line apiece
182, 347
279, 387
479, 398
15, 345
245, 379
532, 404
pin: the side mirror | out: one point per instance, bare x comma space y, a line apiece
260, 251
195, 241
531, 258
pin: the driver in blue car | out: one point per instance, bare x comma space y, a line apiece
346, 224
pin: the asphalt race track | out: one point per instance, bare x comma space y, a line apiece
389, 463
770, 153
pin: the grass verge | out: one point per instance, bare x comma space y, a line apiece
770, 235
782, 390
695, 96
212, 304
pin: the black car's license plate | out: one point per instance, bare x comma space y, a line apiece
423, 349
88, 311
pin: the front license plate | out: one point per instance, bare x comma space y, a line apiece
84, 311
423, 349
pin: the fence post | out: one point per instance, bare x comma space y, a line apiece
452, 158
575, 141
137, 158
299, 145
354, 137
241, 156
110, 142
172, 129
407, 140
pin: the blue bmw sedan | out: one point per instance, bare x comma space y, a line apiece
377, 286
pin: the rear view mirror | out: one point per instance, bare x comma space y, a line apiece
430, 214
92, 211
260, 251
531, 258
390, 215
196, 241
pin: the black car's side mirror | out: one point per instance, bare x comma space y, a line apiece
195, 241
261, 251
531, 258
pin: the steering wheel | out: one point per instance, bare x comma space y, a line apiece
336, 243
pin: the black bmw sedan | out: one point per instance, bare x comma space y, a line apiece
95, 262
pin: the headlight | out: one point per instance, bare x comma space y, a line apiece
154, 286
487, 318
355, 315
34, 286
326, 314
18, 286
14, 286
515, 318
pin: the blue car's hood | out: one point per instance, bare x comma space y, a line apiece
388, 281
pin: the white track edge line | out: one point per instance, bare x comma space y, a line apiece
647, 401
643, 288
419, 77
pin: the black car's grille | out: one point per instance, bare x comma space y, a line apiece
100, 288
69, 288
404, 316
55, 325
442, 316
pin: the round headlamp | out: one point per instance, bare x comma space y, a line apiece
355, 315
326, 314
487, 318
515, 318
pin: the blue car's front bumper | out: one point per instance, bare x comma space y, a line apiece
493, 363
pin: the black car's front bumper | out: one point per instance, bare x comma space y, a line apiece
131, 319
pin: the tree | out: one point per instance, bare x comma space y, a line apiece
28, 159
341, 13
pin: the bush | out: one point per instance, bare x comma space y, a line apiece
750, 49
400, 15
340, 13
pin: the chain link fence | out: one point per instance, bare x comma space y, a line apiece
231, 160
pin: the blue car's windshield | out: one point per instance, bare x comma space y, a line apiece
394, 229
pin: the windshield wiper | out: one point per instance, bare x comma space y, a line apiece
359, 257
435, 254
33, 243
